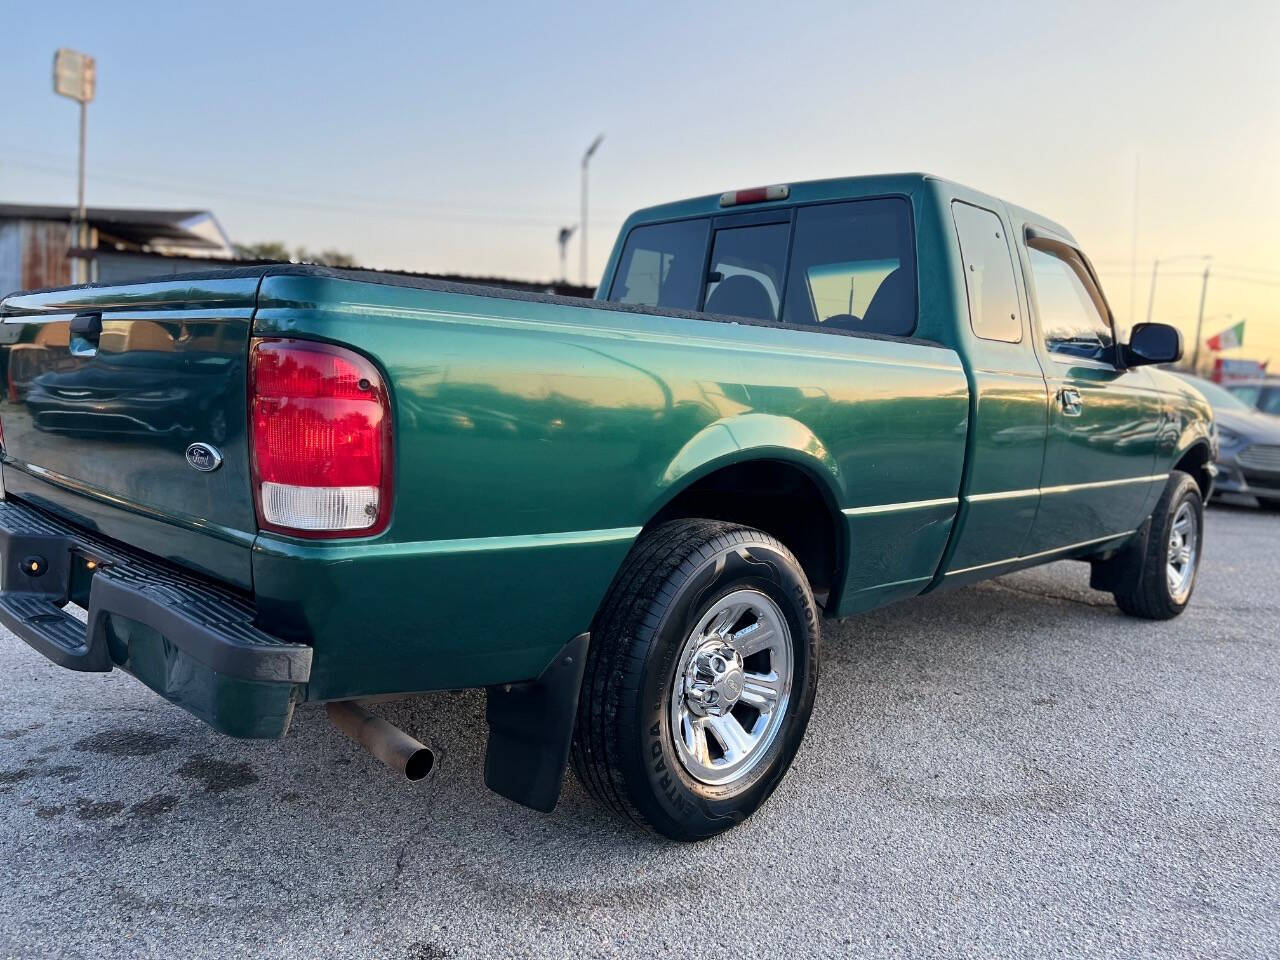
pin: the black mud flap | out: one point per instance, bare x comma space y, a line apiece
531, 730
1122, 571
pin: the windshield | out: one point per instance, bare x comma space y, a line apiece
1218, 398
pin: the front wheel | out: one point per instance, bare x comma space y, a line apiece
700, 679
1161, 588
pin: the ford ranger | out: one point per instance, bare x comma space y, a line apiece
624, 517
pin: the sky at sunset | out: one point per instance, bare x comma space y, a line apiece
447, 138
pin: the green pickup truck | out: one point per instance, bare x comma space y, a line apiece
624, 518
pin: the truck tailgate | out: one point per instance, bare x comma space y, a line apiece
106, 388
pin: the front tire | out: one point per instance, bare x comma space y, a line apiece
1161, 588
700, 679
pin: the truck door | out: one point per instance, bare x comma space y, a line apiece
1104, 419
1008, 402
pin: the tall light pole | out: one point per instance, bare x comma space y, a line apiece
582, 226
75, 76
1155, 268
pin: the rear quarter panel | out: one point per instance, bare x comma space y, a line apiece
534, 441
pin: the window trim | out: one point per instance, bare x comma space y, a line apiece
785, 213
1047, 241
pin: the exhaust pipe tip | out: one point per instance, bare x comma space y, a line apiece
407, 756
419, 764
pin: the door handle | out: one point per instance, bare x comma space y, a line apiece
1072, 405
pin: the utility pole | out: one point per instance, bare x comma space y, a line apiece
75, 77
1155, 268
1133, 246
582, 225
1195, 352
1151, 298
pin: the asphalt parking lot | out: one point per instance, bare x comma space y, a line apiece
1014, 769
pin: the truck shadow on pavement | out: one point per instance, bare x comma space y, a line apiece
292, 788
105, 785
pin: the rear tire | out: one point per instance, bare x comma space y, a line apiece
1162, 588
700, 679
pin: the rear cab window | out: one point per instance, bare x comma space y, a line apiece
844, 265
747, 264
853, 267
661, 265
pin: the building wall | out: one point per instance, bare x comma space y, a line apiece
33, 254
10, 257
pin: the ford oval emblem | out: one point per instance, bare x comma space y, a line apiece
204, 457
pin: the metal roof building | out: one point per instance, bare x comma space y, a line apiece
123, 244
128, 244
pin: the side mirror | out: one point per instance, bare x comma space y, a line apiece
1153, 343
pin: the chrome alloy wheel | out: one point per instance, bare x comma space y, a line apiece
1184, 552
732, 683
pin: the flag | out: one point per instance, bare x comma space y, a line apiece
1228, 339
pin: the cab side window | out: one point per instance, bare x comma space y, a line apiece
1073, 315
988, 273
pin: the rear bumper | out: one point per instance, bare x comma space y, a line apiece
191, 641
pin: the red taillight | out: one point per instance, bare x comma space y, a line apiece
321, 438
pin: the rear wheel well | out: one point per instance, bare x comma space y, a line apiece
1196, 462
774, 496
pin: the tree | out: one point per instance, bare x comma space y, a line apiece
271, 250
326, 258
275, 250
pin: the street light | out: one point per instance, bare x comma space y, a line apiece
75, 77
582, 240
563, 239
1155, 267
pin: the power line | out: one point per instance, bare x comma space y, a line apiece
51, 161
1113, 267
414, 209
1229, 276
